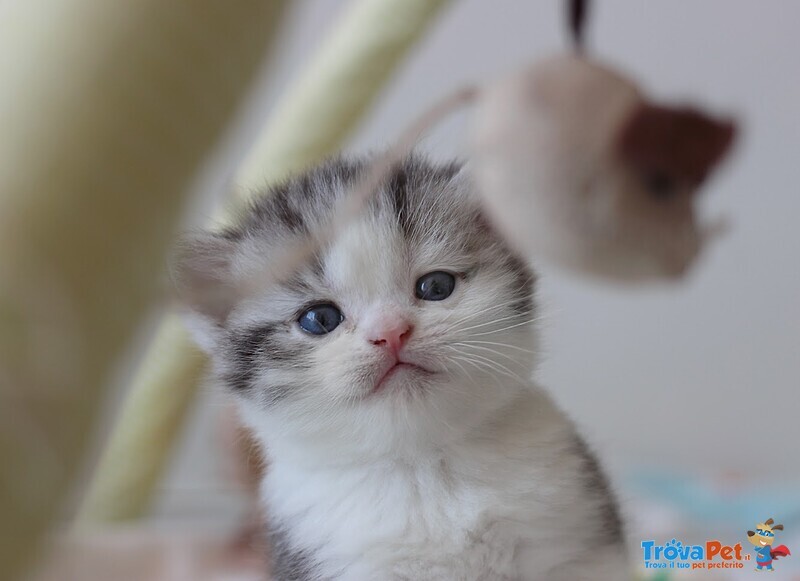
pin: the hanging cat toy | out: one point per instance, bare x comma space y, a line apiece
577, 167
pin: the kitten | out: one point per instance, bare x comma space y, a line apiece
388, 381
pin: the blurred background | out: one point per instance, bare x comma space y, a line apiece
688, 392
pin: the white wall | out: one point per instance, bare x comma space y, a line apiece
700, 378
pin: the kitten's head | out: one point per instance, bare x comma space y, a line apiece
414, 322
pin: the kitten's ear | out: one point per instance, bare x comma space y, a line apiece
461, 172
201, 267
462, 181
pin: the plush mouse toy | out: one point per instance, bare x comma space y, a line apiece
579, 168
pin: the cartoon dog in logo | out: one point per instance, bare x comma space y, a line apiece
762, 539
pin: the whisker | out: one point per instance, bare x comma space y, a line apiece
496, 366
508, 345
541, 317
490, 350
469, 361
462, 368
470, 378
483, 366
492, 322
528, 322
484, 311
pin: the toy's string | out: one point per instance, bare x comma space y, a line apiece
576, 14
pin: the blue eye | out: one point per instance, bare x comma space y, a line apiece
435, 286
320, 319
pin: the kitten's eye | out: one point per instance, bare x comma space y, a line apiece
435, 286
320, 319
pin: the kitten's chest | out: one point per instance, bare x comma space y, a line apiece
394, 518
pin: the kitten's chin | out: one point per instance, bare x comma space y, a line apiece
402, 377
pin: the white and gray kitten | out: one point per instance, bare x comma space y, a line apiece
389, 384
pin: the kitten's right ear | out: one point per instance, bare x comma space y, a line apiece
201, 267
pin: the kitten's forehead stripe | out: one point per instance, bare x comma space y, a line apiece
414, 191
317, 265
298, 285
288, 214
398, 183
298, 203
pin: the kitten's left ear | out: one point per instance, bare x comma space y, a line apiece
462, 181
201, 267
460, 172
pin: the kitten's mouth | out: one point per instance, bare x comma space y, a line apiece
397, 370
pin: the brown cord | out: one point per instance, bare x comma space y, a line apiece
576, 14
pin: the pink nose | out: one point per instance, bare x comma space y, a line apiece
392, 334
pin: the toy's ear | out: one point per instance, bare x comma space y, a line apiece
682, 142
201, 267
769, 521
777, 528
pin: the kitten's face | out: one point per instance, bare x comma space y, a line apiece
415, 318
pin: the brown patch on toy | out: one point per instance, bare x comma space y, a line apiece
681, 142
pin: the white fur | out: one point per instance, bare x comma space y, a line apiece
502, 502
